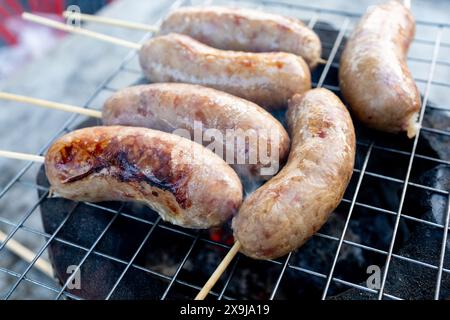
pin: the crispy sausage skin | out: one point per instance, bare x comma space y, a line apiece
268, 79
286, 211
185, 183
172, 106
245, 30
374, 77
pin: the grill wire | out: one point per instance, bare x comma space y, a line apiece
315, 14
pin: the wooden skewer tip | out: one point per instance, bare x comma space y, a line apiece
51, 105
219, 271
21, 156
72, 29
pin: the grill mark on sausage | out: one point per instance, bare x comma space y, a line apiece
121, 160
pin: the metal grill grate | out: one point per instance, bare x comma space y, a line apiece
371, 143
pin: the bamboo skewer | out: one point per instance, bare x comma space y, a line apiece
27, 255
21, 156
110, 21
51, 105
64, 27
219, 271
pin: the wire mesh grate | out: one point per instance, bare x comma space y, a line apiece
372, 146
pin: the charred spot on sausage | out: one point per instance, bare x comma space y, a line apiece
120, 161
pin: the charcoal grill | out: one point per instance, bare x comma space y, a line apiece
397, 182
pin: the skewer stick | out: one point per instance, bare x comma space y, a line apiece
219, 271
51, 105
26, 254
110, 21
68, 28
21, 156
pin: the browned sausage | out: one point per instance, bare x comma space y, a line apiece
245, 30
170, 107
268, 79
184, 182
286, 211
374, 77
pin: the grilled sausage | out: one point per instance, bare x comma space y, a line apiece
170, 107
185, 183
286, 211
374, 77
268, 79
245, 30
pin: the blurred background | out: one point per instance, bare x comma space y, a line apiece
47, 64
21, 43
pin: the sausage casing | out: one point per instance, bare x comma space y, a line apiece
286, 211
373, 74
184, 182
268, 79
245, 30
170, 107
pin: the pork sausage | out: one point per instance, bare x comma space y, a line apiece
374, 77
185, 183
282, 214
245, 30
170, 107
268, 79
